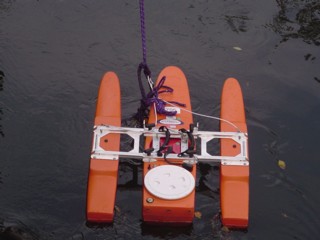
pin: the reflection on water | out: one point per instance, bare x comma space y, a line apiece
237, 23
16, 231
5, 5
1, 103
298, 19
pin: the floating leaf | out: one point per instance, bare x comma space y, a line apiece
117, 209
282, 164
198, 214
225, 229
237, 48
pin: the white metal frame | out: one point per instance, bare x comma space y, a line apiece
135, 133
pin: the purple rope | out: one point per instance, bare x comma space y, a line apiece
152, 97
143, 34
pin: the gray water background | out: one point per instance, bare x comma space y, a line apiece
52, 57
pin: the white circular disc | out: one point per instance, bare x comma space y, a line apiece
169, 182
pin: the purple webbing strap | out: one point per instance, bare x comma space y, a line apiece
153, 98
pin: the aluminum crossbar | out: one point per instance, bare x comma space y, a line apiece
136, 133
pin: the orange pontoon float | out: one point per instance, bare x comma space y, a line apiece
103, 174
170, 156
234, 178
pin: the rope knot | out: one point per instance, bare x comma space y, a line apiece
153, 98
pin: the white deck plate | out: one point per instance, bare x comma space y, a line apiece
169, 182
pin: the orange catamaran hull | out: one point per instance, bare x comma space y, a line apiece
103, 174
156, 209
234, 180
168, 194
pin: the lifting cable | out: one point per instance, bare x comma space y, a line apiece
152, 98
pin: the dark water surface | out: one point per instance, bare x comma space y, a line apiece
52, 56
